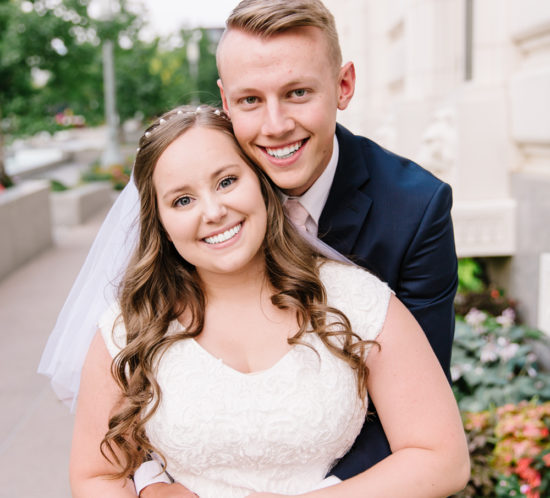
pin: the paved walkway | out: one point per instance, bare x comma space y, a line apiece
36, 428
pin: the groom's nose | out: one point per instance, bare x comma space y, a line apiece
277, 121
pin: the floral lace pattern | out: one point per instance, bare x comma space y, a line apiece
226, 433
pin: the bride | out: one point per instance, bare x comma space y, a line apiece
241, 356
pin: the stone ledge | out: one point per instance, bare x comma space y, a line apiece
78, 204
485, 228
25, 224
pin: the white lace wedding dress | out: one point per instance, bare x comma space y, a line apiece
227, 434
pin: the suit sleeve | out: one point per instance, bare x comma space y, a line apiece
429, 275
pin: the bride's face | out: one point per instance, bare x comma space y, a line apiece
210, 202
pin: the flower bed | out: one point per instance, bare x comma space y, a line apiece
509, 451
502, 391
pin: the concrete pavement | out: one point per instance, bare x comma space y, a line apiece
36, 428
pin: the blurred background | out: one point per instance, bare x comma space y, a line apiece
461, 86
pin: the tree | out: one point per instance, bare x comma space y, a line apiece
11, 59
156, 76
50, 61
34, 41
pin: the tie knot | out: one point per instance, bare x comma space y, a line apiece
296, 212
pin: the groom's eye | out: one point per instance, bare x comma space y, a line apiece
300, 92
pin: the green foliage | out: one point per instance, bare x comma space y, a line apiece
57, 186
63, 45
494, 362
59, 44
117, 174
470, 276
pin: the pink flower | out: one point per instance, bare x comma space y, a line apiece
502, 410
533, 430
477, 420
475, 317
507, 318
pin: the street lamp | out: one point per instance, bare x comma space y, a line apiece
193, 56
104, 11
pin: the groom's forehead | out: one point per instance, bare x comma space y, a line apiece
236, 45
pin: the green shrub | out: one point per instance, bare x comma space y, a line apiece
494, 363
57, 186
117, 174
470, 275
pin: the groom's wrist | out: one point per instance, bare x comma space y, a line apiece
150, 472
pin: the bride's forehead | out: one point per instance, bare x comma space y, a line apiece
199, 153
202, 137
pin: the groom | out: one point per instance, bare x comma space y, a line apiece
282, 82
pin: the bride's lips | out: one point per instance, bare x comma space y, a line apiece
224, 235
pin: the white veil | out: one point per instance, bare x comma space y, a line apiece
92, 293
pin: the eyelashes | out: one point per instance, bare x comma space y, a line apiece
186, 200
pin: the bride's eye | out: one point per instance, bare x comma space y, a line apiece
183, 201
228, 181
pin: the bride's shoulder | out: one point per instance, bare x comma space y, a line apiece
112, 328
359, 294
335, 274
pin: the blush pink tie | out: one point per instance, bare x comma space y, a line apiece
297, 213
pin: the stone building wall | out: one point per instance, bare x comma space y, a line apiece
463, 87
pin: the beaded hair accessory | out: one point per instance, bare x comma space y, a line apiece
185, 111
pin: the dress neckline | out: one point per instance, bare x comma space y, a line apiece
264, 371
180, 327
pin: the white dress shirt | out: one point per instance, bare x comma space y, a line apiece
315, 198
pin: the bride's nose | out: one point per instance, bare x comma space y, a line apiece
214, 209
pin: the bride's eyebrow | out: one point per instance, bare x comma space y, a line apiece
183, 188
223, 168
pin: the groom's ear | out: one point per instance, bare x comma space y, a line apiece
346, 85
222, 94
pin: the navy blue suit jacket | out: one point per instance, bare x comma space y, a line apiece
392, 217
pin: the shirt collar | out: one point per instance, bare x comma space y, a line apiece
315, 198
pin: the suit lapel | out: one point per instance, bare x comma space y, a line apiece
347, 205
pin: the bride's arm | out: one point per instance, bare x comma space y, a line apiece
420, 418
98, 395
419, 415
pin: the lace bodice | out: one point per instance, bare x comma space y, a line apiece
227, 434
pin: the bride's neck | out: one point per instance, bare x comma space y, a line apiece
236, 287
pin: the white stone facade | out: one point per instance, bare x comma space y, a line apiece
463, 87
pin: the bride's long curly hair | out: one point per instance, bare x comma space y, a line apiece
159, 285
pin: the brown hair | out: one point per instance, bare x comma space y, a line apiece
159, 285
268, 17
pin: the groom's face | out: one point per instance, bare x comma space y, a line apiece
282, 93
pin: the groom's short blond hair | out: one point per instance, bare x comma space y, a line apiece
269, 17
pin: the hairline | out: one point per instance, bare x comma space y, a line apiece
336, 60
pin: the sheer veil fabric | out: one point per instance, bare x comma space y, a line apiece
95, 289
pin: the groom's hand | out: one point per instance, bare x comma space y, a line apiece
164, 490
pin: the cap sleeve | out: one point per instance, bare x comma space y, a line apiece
113, 330
357, 293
